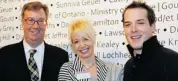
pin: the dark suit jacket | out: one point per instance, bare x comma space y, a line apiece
13, 65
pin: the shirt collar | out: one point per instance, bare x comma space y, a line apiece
101, 67
78, 65
149, 47
27, 47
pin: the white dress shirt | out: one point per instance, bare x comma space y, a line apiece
38, 56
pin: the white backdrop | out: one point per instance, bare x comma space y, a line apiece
106, 18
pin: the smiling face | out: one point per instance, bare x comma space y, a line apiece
82, 44
82, 37
34, 33
137, 28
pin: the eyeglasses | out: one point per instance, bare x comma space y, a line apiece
31, 21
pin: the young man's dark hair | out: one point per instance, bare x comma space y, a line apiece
150, 12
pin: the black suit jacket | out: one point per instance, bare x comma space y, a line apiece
13, 65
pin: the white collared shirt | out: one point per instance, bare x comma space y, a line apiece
38, 56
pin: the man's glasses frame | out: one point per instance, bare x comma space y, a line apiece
31, 21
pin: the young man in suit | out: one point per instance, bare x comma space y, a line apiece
149, 60
32, 59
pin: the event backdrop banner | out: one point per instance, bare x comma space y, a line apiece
106, 18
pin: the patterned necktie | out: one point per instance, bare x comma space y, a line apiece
32, 66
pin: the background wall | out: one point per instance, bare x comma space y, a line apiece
106, 18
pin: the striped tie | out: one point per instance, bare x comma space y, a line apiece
32, 66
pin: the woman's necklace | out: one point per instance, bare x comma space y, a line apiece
88, 67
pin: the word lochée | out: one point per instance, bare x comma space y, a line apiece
112, 55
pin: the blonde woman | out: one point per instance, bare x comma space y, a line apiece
86, 66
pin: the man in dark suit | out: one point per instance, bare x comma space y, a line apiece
32, 59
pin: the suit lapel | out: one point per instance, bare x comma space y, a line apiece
20, 58
46, 64
101, 69
78, 67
